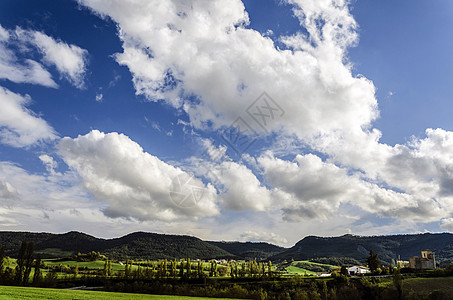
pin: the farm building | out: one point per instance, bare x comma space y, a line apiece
358, 270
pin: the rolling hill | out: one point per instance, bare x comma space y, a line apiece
138, 245
142, 245
387, 247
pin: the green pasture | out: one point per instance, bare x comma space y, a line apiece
299, 271
98, 264
295, 270
314, 263
13, 292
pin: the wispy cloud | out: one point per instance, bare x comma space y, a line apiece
69, 60
19, 126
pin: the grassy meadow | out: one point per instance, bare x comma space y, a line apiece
311, 268
14, 292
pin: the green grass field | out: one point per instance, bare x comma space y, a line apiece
294, 270
299, 271
98, 264
315, 263
13, 292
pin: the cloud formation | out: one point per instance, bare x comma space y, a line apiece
49, 163
27, 71
316, 189
238, 187
211, 55
69, 60
19, 126
202, 57
131, 182
270, 237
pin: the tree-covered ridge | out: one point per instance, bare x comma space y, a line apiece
142, 245
389, 248
138, 245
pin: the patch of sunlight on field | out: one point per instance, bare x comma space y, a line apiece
314, 263
300, 271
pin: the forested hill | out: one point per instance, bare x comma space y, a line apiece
250, 250
141, 245
138, 245
358, 247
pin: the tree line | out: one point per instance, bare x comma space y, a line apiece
163, 269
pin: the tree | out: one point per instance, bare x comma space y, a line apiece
76, 271
126, 269
138, 272
243, 270
181, 268
20, 263
162, 270
398, 282
269, 269
29, 258
173, 268
211, 270
104, 272
165, 267
37, 276
189, 266
2, 260
373, 261
130, 267
200, 269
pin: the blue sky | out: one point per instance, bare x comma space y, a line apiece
106, 106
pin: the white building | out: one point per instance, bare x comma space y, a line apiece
358, 270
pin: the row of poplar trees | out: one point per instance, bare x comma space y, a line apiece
187, 269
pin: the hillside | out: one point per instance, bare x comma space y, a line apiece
249, 250
138, 245
358, 247
142, 245
159, 246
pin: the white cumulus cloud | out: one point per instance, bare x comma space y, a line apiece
238, 187
176, 49
316, 189
131, 182
202, 57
